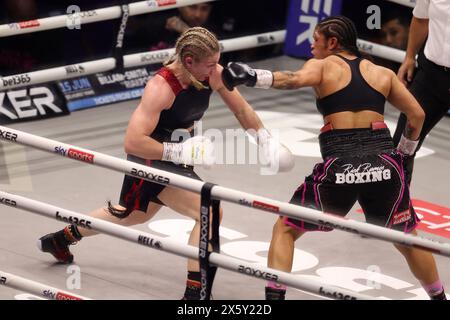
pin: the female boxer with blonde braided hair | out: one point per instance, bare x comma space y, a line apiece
174, 99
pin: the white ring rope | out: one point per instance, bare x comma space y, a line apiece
222, 193
83, 17
172, 246
131, 60
158, 56
379, 50
240, 43
39, 289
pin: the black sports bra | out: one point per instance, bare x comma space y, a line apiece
358, 95
189, 105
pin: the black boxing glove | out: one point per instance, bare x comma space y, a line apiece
237, 73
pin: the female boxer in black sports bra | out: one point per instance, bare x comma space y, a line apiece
360, 161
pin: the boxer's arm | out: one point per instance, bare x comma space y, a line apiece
279, 157
243, 112
237, 73
157, 96
310, 75
241, 109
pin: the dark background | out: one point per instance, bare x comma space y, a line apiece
228, 19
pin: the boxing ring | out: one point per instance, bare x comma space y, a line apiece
234, 196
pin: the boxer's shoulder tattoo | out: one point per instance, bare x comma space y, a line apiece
288, 73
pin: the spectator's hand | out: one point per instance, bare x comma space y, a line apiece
176, 24
406, 70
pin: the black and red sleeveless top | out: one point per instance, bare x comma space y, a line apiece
358, 95
190, 104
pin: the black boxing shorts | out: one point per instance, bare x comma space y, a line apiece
137, 193
359, 165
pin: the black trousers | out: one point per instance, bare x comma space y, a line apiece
431, 88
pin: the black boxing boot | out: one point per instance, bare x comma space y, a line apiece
193, 286
57, 244
440, 296
275, 294
275, 291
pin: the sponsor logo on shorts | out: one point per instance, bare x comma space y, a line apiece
149, 176
65, 296
74, 220
29, 24
257, 273
3, 280
335, 294
401, 217
6, 135
265, 206
8, 202
150, 242
16, 80
364, 173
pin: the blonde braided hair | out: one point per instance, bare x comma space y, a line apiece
198, 43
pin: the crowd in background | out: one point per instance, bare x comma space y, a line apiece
159, 30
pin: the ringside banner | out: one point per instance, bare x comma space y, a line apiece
31, 103
106, 87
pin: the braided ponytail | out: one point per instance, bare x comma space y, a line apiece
344, 30
198, 43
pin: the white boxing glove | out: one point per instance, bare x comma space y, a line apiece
197, 150
407, 146
277, 155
